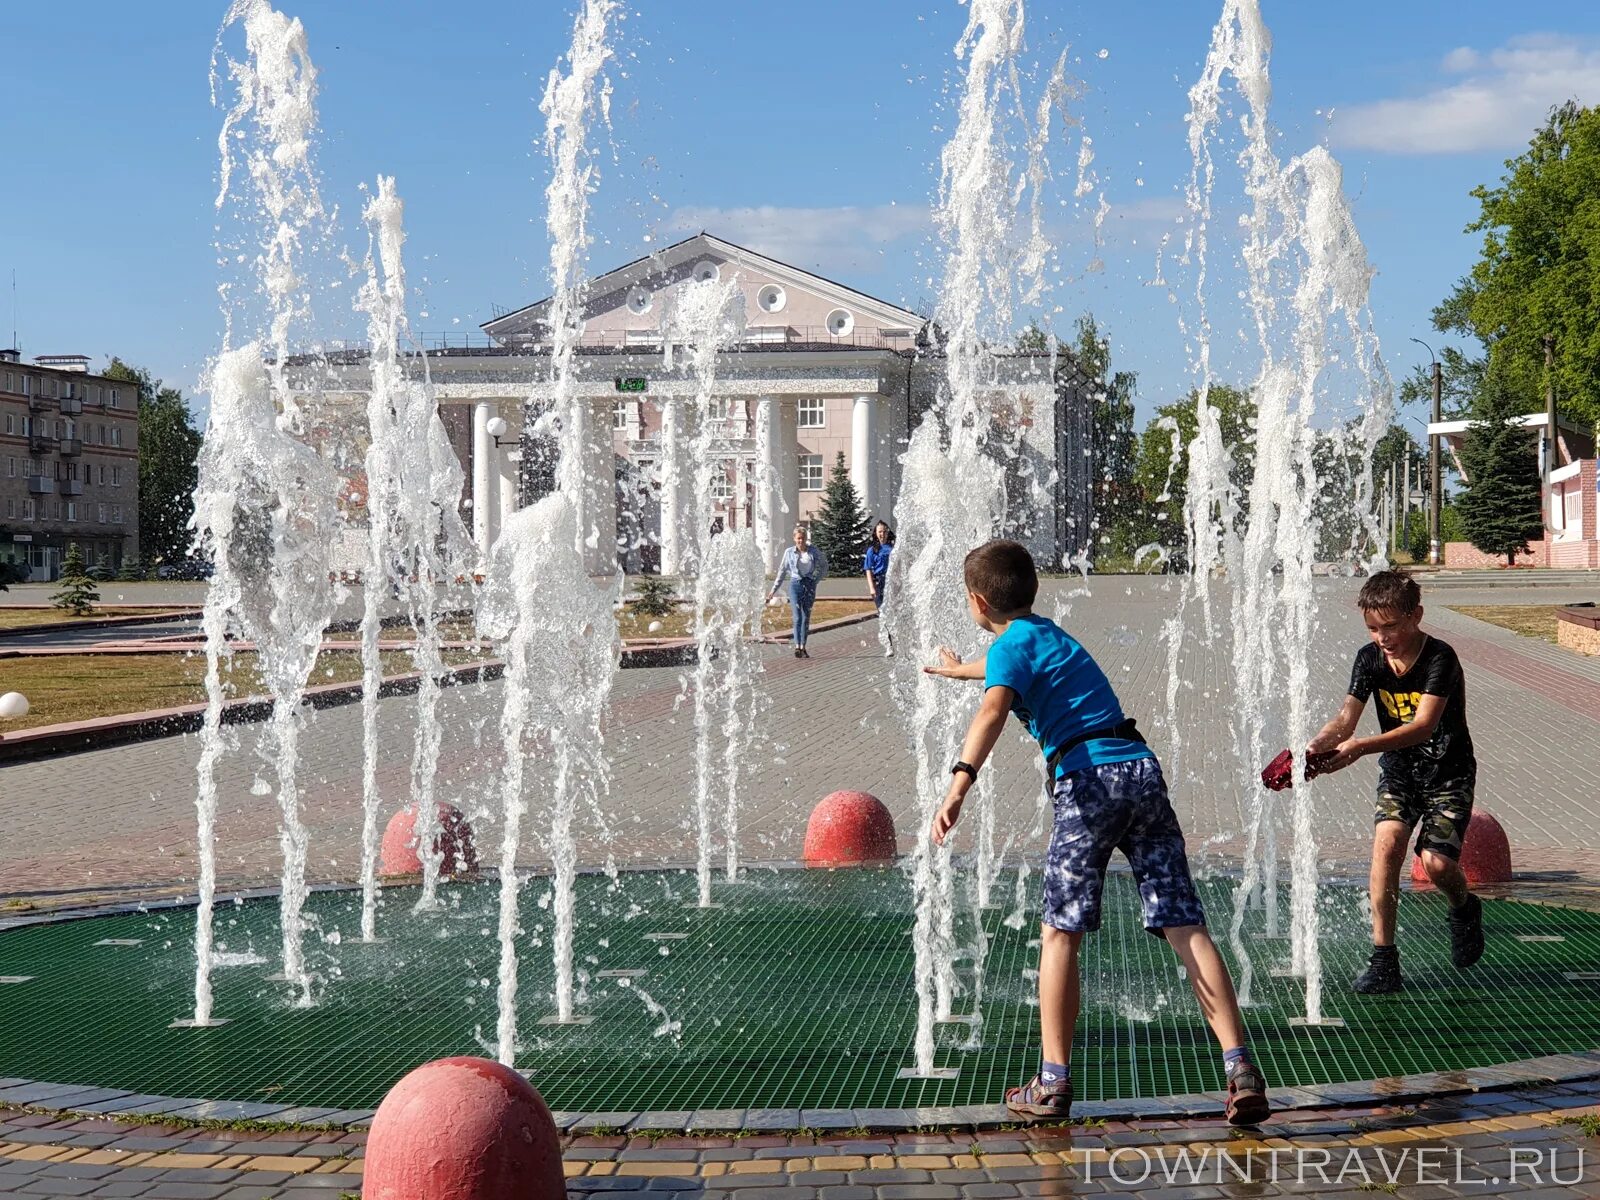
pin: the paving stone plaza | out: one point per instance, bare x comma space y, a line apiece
115, 825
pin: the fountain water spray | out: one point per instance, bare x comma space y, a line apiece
264, 507
558, 625
729, 574
1300, 243
954, 493
557, 630
413, 481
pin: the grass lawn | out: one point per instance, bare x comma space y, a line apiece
12, 617
1530, 620
76, 687
775, 618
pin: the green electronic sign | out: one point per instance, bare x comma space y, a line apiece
632, 383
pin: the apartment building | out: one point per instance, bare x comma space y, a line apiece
69, 464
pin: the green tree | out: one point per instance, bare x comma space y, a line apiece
169, 451
842, 527
653, 596
1114, 446
77, 595
1501, 510
1539, 272
10, 573
1162, 481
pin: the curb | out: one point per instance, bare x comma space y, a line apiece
154, 618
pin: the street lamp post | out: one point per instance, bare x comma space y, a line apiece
1435, 549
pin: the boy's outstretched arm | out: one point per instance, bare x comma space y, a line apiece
982, 734
1340, 728
1416, 731
951, 667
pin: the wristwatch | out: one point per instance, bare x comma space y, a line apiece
971, 771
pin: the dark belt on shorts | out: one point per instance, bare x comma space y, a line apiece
1127, 731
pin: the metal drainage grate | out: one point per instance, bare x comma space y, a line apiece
796, 993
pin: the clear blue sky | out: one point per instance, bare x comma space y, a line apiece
826, 112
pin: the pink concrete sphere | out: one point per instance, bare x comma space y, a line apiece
399, 854
463, 1129
849, 829
1485, 853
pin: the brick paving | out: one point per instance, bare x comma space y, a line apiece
115, 823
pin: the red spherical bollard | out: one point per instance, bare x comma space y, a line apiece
463, 1129
1485, 853
399, 854
848, 829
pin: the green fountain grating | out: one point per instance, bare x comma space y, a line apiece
797, 993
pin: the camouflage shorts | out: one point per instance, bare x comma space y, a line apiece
1117, 806
1440, 813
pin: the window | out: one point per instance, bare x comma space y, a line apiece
813, 413
27, 508
619, 414
72, 428
10, 382
72, 510
11, 507
116, 476
27, 385
116, 514
27, 426
60, 430
100, 514
116, 398
810, 472
717, 410
721, 485
116, 435
11, 468
10, 423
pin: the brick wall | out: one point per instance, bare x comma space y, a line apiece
1467, 556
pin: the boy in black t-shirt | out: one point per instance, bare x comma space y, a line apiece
1426, 774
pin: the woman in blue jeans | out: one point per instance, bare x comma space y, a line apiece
804, 566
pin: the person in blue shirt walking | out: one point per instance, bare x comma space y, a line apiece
804, 566
877, 569
1109, 795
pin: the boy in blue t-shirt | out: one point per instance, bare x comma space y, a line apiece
1109, 795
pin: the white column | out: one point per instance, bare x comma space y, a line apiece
769, 467
788, 473
506, 459
864, 452
600, 486
482, 445
673, 468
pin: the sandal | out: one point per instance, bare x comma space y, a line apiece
1034, 1099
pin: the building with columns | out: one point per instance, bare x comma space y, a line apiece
819, 370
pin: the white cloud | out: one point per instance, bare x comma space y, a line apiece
1500, 98
811, 238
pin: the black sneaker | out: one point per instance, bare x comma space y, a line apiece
1247, 1096
1466, 934
1382, 974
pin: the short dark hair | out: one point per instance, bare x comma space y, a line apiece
1002, 572
1390, 591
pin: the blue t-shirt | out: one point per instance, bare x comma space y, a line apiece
877, 560
1061, 692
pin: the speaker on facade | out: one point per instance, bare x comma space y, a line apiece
771, 298
840, 322
705, 270
639, 301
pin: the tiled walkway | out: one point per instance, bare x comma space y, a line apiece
118, 823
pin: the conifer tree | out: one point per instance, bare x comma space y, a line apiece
842, 527
1501, 510
77, 595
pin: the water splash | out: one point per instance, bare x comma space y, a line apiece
1306, 272
415, 538
264, 505
558, 624
571, 100
954, 494
558, 677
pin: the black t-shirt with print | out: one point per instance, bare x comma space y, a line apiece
1446, 757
